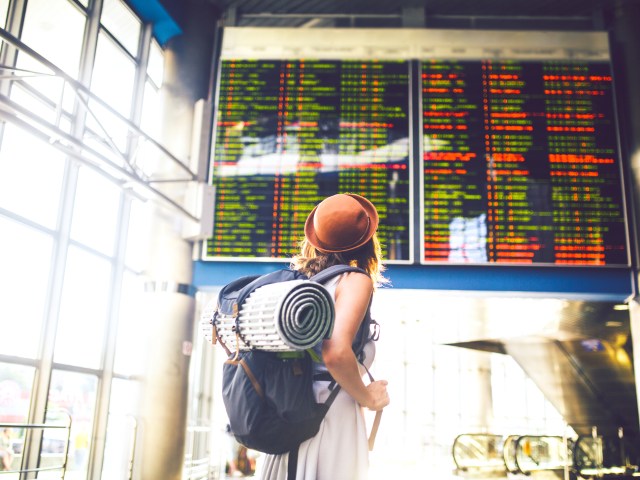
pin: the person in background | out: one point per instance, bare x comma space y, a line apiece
6, 449
339, 230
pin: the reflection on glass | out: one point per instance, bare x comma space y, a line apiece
25, 257
40, 166
75, 394
467, 239
83, 310
95, 211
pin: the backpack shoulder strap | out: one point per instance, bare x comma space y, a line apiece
334, 271
364, 331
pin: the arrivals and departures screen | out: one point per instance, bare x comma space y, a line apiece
520, 163
476, 147
292, 132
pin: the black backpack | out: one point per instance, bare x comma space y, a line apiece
269, 396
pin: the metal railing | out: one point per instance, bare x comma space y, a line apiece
606, 456
589, 456
197, 458
536, 453
479, 452
42, 428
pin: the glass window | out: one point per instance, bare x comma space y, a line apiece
83, 310
535, 400
151, 120
112, 81
155, 68
148, 156
33, 102
121, 429
95, 211
133, 328
122, 24
25, 257
31, 173
447, 392
514, 401
55, 30
113, 76
4, 5
139, 235
75, 394
16, 383
106, 133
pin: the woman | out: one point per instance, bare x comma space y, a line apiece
6, 450
340, 230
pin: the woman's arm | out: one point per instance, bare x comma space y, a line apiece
352, 300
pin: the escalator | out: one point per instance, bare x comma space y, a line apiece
485, 455
580, 357
599, 457
475, 454
492, 455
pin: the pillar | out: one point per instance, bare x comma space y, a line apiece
169, 299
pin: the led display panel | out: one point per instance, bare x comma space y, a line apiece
477, 147
290, 132
520, 163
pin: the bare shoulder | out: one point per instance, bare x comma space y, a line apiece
355, 282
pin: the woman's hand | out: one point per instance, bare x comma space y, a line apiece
379, 397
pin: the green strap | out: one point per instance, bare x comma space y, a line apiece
314, 356
299, 354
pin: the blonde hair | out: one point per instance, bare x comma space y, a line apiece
367, 257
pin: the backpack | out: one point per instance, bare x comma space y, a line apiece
269, 395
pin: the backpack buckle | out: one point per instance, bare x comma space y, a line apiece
376, 330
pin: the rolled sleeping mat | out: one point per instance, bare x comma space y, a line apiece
283, 316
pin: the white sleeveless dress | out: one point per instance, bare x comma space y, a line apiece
340, 449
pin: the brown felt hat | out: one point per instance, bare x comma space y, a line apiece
341, 223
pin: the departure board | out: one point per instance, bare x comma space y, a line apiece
520, 163
290, 133
477, 147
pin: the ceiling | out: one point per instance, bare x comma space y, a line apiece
559, 14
